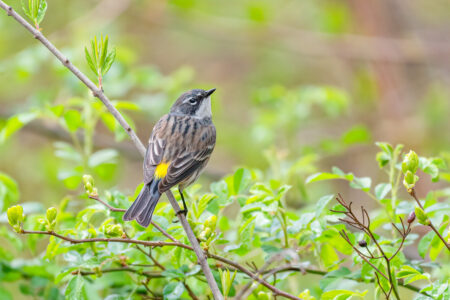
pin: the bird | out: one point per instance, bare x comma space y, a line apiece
179, 148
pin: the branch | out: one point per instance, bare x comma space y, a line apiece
364, 226
216, 257
412, 192
123, 269
288, 268
134, 138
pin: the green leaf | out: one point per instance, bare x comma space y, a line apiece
75, 289
41, 11
15, 123
357, 134
342, 294
246, 231
328, 256
109, 61
104, 156
321, 177
173, 290
424, 244
9, 191
322, 203
381, 190
72, 119
361, 183
90, 61
241, 180
410, 274
104, 47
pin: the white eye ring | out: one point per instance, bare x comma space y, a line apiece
192, 101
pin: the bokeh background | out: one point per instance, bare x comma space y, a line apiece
301, 85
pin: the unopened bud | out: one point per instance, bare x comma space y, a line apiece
51, 214
16, 217
410, 162
362, 243
412, 217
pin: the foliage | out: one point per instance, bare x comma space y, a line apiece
245, 221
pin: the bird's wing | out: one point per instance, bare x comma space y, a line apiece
155, 149
193, 155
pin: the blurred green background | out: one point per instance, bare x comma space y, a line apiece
304, 82
301, 85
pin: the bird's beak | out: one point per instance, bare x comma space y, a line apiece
208, 93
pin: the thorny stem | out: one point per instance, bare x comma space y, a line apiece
412, 192
97, 92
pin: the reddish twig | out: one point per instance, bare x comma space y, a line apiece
412, 192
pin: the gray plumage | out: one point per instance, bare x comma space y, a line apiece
184, 139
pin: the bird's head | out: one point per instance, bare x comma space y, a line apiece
196, 103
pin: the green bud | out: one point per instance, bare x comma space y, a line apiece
114, 230
211, 222
410, 179
410, 162
263, 296
422, 217
51, 214
305, 295
88, 179
88, 184
16, 217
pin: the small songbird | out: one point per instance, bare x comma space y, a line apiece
178, 150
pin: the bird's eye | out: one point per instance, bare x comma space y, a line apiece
192, 101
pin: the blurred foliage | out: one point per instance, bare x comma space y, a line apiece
281, 119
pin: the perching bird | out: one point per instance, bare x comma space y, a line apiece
179, 148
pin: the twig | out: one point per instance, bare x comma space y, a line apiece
162, 244
289, 268
364, 226
222, 259
112, 208
124, 269
412, 192
134, 138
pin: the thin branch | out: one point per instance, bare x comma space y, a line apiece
412, 192
123, 269
112, 208
289, 268
134, 138
222, 259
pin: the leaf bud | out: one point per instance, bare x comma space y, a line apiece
410, 162
263, 296
88, 182
51, 214
411, 217
410, 179
16, 217
422, 217
114, 230
211, 222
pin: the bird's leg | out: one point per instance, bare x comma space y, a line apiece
185, 209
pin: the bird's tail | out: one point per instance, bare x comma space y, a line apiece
142, 208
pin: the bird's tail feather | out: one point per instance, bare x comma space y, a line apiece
142, 208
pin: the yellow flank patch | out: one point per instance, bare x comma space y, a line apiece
161, 170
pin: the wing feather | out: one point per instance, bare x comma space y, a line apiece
187, 153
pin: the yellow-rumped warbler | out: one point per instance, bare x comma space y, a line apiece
179, 148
